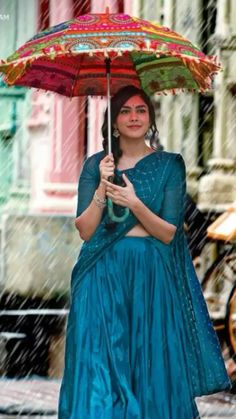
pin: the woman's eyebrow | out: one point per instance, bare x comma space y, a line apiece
136, 107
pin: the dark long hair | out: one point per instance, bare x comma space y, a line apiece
117, 101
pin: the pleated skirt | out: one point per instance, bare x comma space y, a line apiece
125, 342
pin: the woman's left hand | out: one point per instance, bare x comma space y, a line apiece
124, 196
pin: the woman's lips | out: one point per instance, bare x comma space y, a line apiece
134, 126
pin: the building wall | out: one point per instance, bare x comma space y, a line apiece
42, 163
14, 170
47, 152
41, 124
202, 127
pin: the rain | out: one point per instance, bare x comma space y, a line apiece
44, 139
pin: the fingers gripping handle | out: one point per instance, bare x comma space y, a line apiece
111, 212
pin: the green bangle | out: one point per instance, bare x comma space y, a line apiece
111, 214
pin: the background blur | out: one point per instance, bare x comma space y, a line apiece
44, 139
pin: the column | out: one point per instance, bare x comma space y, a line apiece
169, 13
97, 106
180, 113
132, 8
222, 18
217, 189
19, 27
231, 123
60, 137
220, 103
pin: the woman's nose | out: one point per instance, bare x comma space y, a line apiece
133, 115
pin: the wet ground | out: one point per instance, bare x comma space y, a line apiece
38, 399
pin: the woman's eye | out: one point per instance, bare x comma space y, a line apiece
124, 111
141, 111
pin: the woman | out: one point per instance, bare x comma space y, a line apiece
140, 343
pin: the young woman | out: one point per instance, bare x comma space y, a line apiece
140, 343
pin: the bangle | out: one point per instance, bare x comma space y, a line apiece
100, 200
100, 203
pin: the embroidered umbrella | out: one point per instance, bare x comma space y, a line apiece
69, 58
97, 54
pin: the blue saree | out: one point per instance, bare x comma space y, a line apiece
140, 343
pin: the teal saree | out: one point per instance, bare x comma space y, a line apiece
140, 343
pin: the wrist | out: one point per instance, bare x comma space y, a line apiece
99, 200
135, 204
101, 189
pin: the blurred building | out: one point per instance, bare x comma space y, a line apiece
203, 127
44, 139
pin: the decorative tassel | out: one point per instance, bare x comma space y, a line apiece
52, 55
148, 44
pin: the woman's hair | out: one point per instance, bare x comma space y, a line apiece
117, 101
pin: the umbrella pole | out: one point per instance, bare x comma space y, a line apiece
111, 213
108, 73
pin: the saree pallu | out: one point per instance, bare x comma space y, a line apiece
183, 322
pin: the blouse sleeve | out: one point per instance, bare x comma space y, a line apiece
88, 183
174, 192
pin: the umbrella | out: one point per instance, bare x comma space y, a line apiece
97, 54
69, 58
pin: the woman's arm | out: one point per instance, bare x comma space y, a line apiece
90, 218
152, 223
90, 210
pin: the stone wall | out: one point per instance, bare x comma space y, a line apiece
39, 252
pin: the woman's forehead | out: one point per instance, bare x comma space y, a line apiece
134, 101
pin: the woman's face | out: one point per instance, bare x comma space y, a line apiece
133, 120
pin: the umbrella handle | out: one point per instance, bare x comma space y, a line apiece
112, 215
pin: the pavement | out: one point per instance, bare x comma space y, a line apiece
29, 397
38, 398
220, 405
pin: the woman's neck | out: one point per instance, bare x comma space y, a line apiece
134, 149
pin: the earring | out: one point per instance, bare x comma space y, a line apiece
116, 133
148, 134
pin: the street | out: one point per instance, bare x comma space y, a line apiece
37, 398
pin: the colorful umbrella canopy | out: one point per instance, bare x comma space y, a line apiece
69, 58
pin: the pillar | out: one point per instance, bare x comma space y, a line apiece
59, 134
217, 189
97, 106
179, 128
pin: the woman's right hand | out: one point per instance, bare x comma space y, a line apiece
107, 167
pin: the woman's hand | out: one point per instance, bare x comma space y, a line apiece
106, 167
124, 196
